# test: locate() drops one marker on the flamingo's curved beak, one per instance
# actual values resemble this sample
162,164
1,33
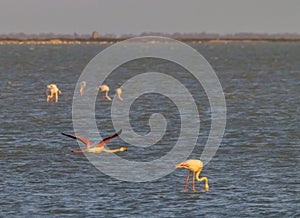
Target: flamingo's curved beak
206,187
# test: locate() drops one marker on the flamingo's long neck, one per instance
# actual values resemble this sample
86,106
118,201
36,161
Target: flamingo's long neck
106,95
80,151
201,179
112,151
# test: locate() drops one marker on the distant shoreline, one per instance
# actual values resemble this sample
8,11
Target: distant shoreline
58,41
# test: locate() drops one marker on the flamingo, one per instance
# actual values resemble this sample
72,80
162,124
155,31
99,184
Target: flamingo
82,87
104,88
119,92
194,166
97,148
54,91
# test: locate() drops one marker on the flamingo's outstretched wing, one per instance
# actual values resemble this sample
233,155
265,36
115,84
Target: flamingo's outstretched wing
104,141
84,140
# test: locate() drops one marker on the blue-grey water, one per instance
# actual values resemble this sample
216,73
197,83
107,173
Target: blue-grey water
255,172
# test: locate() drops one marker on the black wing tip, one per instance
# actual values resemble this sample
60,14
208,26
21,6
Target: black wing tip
65,134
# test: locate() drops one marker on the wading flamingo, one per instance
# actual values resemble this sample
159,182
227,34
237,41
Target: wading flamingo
82,87
194,166
54,91
104,88
97,148
119,92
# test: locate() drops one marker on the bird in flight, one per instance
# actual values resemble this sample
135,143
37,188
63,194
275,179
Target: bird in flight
97,148
194,166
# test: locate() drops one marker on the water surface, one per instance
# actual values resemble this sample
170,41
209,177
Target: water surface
254,173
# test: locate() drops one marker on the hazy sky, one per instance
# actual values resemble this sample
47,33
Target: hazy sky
136,16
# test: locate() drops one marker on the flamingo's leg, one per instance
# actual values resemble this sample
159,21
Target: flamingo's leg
187,180
49,95
52,95
102,96
56,97
193,182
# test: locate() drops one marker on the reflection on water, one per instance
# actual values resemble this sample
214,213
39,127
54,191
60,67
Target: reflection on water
254,173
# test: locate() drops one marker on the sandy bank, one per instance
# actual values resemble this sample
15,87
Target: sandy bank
109,41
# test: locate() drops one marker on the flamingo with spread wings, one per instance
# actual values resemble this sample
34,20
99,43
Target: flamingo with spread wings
99,147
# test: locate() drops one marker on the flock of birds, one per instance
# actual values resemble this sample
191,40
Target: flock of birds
52,92
193,166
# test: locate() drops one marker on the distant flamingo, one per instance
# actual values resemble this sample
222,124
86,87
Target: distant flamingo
99,147
104,88
194,166
82,87
54,91
119,92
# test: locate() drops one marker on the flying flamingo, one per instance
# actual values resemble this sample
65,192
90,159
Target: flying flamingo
104,88
99,147
194,166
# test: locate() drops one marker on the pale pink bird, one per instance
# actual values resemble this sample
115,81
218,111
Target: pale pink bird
82,87
119,92
194,166
54,91
105,89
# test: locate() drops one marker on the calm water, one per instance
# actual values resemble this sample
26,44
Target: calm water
255,172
